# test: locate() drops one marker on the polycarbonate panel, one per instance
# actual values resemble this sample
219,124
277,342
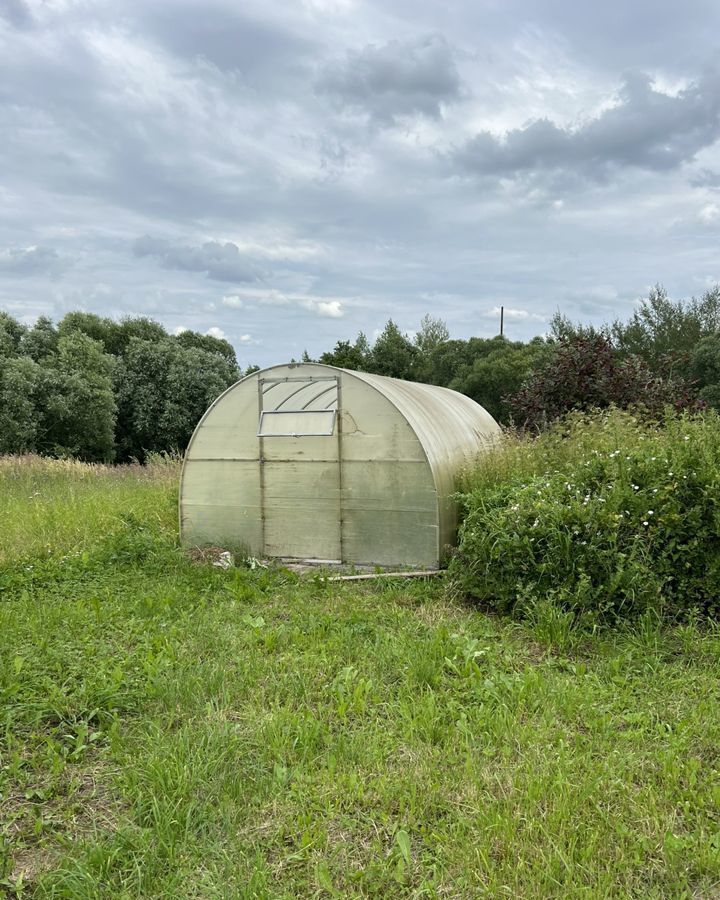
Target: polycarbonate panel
387,537
302,509
452,430
383,484
296,423
220,504
231,527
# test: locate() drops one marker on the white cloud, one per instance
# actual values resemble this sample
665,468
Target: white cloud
233,301
216,333
332,309
179,330
519,315
710,213
247,340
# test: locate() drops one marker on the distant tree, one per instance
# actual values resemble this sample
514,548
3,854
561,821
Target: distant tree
19,378
394,354
704,369
429,339
431,334
76,405
563,329
103,330
114,336
139,327
445,362
41,341
664,332
349,356
11,334
497,375
190,339
163,389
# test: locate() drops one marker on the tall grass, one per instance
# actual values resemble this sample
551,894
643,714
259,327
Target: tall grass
62,506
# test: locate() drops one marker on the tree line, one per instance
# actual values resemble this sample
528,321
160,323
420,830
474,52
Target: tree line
666,353
98,389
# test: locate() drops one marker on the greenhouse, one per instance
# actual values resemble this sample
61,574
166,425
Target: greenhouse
310,462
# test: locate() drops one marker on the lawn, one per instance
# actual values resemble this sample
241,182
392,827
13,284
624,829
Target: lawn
171,729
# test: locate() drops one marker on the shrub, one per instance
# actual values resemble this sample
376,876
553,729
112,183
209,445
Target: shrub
585,372
604,514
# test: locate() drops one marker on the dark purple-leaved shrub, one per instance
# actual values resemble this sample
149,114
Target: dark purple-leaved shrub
586,372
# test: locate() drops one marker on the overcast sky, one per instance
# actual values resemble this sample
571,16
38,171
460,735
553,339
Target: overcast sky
287,174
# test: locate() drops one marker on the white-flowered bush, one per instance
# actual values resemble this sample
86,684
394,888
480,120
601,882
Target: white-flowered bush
605,514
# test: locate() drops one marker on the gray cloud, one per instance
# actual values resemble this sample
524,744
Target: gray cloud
29,261
16,13
646,129
232,38
221,262
706,178
250,121
395,79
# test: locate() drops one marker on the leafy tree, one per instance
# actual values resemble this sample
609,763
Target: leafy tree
349,356
431,334
19,377
445,362
498,374
207,342
103,330
41,341
664,332
563,329
704,368
394,354
139,327
114,336
11,334
76,404
163,389
429,338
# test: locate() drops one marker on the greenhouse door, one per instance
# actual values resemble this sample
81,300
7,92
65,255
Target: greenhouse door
299,453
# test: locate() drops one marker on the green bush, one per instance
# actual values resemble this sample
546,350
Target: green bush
605,515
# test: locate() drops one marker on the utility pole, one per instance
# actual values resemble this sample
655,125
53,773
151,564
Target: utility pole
502,319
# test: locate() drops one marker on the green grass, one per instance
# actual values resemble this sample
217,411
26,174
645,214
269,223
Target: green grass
63,506
169,729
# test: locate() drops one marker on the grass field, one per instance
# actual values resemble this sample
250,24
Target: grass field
170,729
